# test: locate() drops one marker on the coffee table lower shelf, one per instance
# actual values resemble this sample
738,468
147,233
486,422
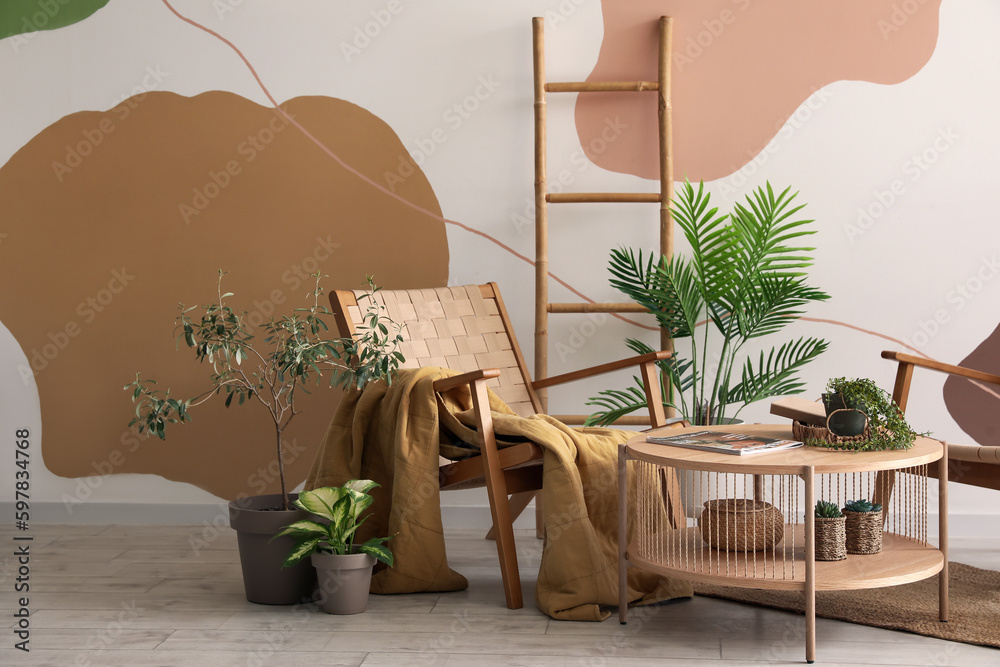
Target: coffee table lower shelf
682,553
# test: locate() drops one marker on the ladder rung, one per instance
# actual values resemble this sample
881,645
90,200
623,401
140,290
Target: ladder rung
596,308
611,197
602,86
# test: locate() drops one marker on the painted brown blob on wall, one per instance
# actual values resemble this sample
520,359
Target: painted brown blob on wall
971,404
113,217
741,68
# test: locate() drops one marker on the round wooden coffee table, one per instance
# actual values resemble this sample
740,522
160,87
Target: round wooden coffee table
660,531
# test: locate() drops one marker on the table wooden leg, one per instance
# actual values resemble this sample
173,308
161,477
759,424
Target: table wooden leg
810,591
943,534
622,535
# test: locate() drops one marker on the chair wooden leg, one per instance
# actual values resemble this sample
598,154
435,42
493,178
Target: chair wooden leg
539,517
496,488
518,502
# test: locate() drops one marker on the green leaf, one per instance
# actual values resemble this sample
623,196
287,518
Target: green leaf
380,552
302,549
361,485
775,374
320,501
339,515
302,528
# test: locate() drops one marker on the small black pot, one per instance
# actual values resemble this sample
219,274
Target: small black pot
264,579
834,402
846,422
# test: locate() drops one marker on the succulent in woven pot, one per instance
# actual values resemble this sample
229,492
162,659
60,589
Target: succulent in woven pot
830,529
741,524
863,527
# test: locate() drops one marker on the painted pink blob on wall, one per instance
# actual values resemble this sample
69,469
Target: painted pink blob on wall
741,68
112,217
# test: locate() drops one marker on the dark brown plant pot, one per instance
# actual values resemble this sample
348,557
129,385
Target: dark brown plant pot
264,579
831,539
344,581
864,532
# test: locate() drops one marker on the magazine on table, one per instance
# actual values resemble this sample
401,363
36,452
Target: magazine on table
738,444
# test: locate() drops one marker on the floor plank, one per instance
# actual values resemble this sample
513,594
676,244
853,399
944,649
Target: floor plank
165,595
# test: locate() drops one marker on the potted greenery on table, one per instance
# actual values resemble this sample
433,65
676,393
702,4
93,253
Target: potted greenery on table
344,568
745,278
269,367
887,427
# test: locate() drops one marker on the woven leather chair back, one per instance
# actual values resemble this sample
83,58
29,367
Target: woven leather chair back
462,328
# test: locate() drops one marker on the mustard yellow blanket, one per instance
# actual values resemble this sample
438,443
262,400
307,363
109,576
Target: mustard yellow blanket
391,435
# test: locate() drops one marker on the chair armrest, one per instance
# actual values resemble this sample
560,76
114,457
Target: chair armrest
444,384
601,369
961,371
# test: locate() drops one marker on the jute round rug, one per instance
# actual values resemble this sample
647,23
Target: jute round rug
974,605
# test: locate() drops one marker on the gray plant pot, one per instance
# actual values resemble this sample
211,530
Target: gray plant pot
264,580
343,581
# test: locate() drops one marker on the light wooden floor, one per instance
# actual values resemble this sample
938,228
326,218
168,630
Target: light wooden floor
137,595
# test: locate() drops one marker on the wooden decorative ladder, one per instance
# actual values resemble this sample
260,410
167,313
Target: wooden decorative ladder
543,197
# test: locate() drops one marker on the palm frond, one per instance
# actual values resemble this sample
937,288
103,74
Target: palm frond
616,403
677,370
774,302
764,234
665,289
713,243
775,374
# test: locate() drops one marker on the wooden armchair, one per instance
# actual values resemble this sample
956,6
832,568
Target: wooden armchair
976,465
467,329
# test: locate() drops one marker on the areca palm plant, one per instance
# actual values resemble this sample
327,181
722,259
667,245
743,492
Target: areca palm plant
745,279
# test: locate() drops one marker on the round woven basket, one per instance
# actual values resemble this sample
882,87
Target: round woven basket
741,524
831,539
803,432
864,532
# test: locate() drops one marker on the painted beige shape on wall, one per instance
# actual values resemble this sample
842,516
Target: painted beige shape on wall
113,217
741,68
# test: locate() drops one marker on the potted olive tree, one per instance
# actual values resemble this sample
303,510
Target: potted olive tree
344,568
744,280
269,367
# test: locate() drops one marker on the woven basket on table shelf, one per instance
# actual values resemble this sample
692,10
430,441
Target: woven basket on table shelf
741,524
831,538
802,431
864,532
